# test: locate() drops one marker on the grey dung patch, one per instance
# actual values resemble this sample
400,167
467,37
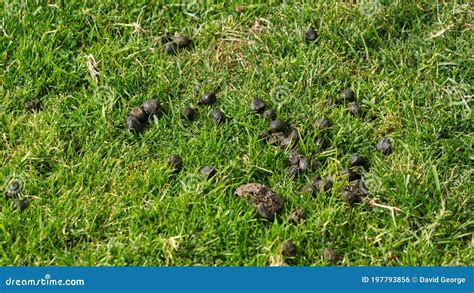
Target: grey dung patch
266,202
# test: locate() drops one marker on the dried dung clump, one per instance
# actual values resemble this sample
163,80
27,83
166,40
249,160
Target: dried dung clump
355,192
266,202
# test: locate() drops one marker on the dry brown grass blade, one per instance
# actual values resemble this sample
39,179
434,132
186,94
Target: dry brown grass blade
373,203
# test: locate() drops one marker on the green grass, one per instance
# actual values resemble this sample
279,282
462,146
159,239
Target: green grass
98,195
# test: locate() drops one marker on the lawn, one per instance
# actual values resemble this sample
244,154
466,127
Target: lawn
97,194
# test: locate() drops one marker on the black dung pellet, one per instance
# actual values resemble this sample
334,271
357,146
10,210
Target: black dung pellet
276,126
139,113
350,175
217,117
354,108
310,35
293,157
270,114
323,123
384,146
134,125
189,113
357,160
182,41
208,98
33,105
257,105
208,171
152,107
20,204
13,189
304,163
288,249
347,95
171,48
175,163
